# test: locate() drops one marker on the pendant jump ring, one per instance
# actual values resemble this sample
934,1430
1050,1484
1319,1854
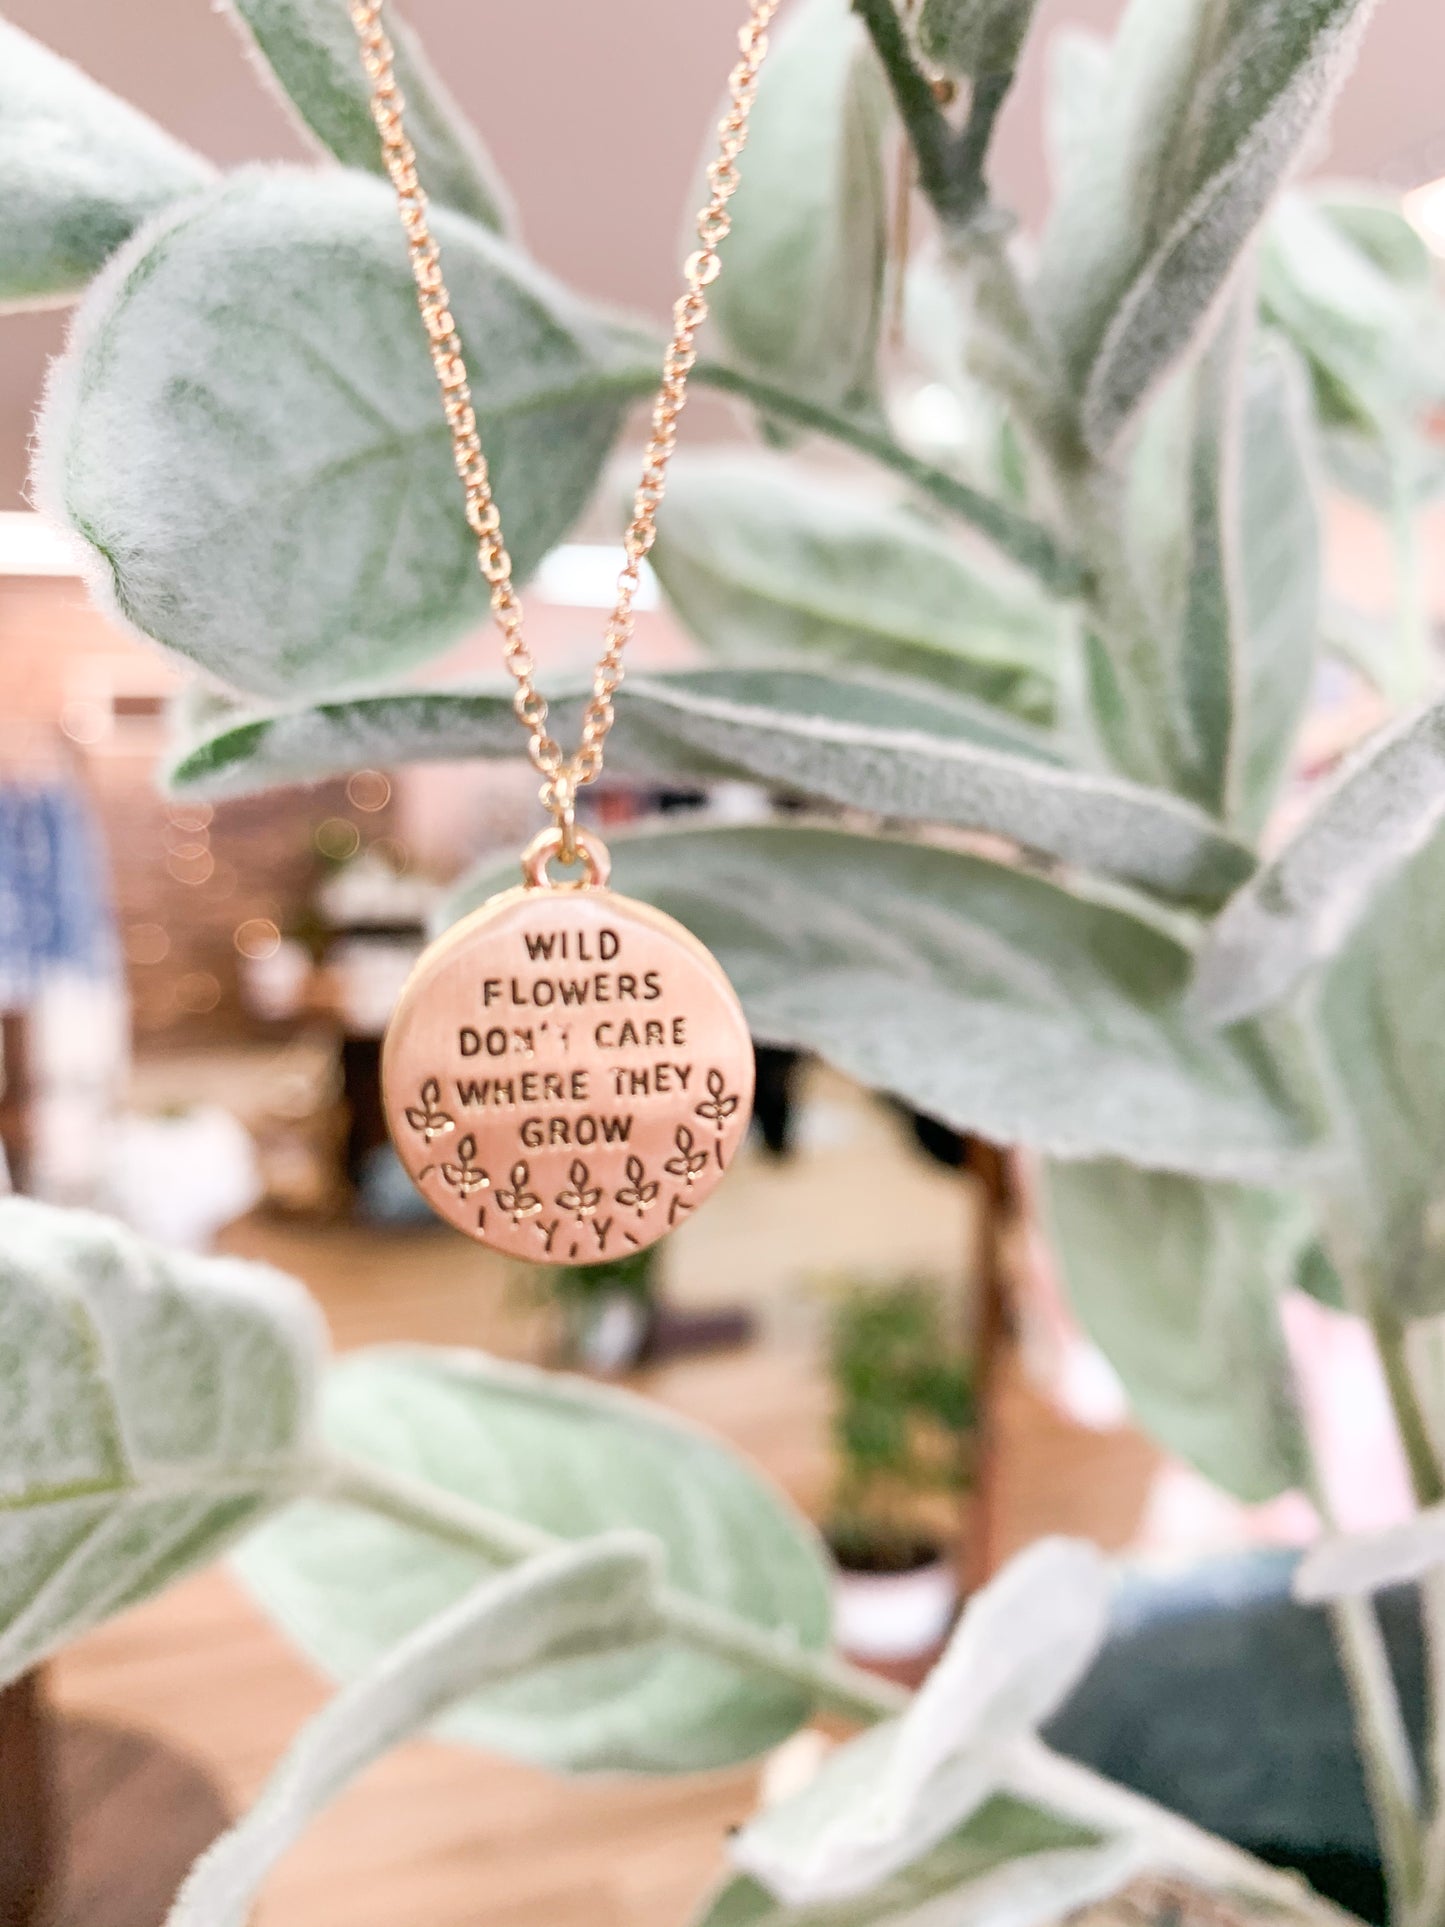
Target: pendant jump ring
590,851
568,854
559,798
564,804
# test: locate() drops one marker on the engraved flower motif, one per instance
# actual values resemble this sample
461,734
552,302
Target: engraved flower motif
579,1194
640,1192
689,1160
718,1106
463,1175
427,1116
515,1199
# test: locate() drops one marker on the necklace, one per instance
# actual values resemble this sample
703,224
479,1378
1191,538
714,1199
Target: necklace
568,1073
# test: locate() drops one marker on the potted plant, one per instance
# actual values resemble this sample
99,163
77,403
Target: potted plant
607,1310
1048,640
901,1419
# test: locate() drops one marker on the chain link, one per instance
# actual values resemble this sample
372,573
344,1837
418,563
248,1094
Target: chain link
562,775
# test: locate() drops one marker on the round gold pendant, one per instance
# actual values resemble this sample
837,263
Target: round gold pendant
568,1073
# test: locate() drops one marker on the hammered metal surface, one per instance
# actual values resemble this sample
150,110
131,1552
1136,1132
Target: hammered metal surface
568,1074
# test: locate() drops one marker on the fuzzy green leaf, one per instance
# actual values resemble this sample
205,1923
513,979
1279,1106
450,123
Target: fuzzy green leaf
575,1460
800,299
690,724
528,1629
891,751
1349,281
246,432
79,170
1178,1284
1025,1640
1210,642
1355,1565
1225,533
999,1002
762,563
1402,476
310,50
978,1874
1281,556
1210,102
1078,70
1299,907
1380,1018
152,1407
1053,1838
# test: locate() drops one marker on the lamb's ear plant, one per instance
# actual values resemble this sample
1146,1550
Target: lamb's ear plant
902,1410
1072,602
534,1565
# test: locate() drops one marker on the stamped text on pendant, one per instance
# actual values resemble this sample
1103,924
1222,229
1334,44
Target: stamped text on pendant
568,1075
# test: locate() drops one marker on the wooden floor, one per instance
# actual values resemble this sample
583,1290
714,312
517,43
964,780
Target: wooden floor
440,1837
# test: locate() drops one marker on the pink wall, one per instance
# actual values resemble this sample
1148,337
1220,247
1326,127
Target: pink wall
596,110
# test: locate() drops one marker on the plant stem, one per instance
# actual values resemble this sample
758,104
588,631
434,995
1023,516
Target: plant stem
1385,1752
954,195
970,149
1068,1788
950,165
1387,1757
1431,1901
831,1683
1019,364
1011,354
1093,499
1026,542
1409,1827
1382,1737
1425,1474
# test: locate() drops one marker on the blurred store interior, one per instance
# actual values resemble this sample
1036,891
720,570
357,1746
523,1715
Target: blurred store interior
204,1064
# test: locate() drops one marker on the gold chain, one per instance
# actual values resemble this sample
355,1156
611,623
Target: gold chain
563,775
